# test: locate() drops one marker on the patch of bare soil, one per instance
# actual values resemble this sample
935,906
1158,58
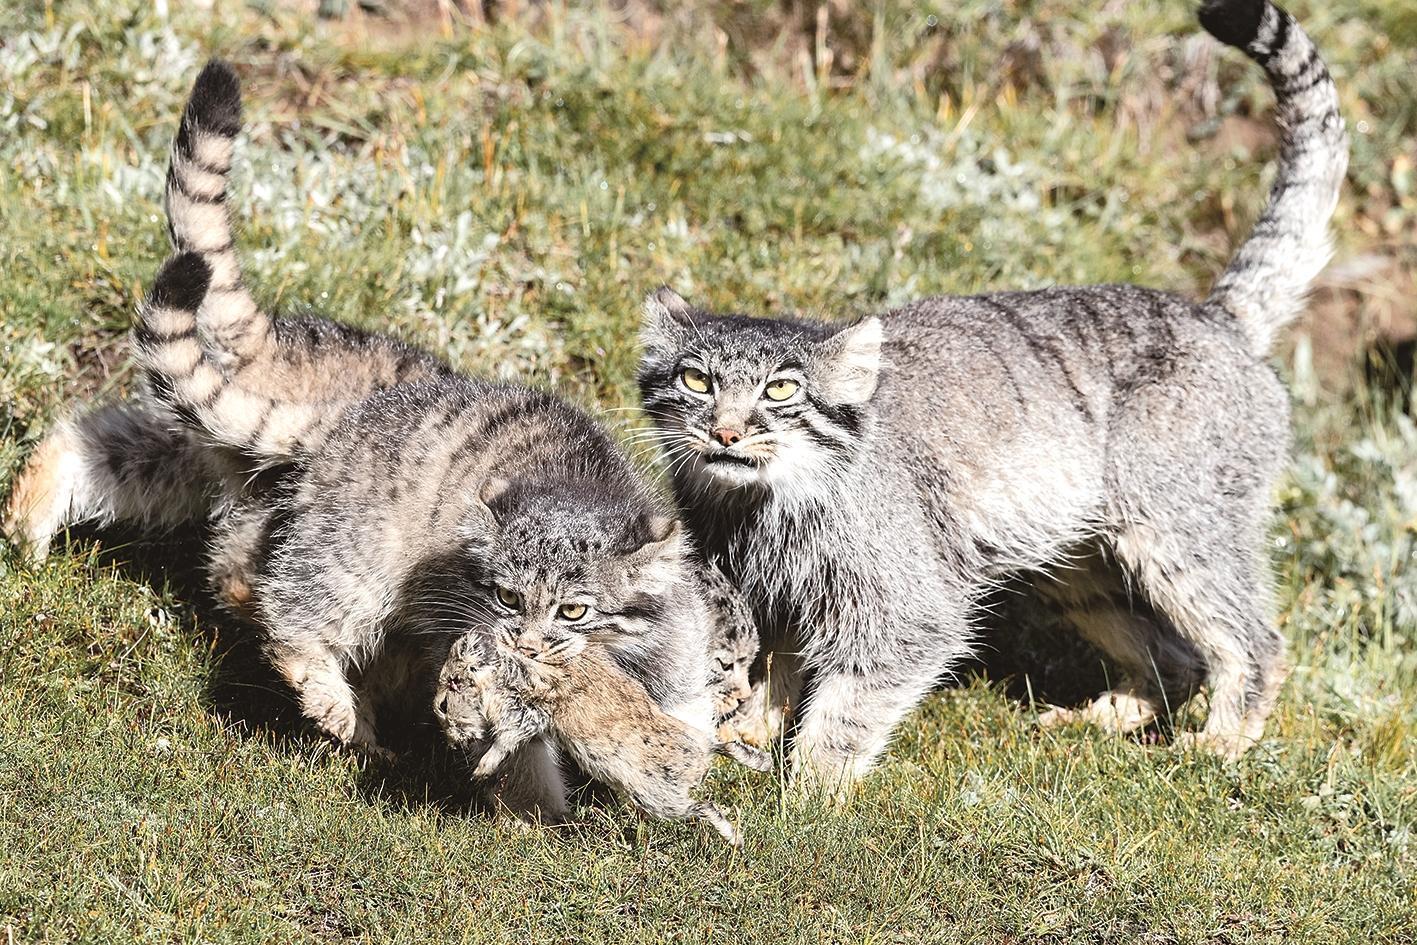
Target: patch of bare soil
1362,321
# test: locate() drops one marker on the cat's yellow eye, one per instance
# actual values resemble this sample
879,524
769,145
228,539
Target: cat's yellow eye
781,389
571,611
509,599
694,379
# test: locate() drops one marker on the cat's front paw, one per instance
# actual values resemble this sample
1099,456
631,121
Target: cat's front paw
335,715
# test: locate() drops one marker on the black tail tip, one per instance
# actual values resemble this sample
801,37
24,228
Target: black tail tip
215,103
181,283
1233,22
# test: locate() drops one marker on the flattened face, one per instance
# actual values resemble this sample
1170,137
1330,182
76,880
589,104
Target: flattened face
550,573
742,401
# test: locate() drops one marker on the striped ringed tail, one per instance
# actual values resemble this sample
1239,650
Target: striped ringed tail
184,374
236,331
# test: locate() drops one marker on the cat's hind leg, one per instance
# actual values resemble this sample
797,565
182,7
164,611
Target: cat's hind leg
1217,599
1192,536
326,697
1156,668
239,545
126,462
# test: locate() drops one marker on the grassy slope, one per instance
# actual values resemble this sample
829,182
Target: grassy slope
508,195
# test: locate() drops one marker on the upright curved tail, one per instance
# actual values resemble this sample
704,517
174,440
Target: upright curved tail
1265,283
188,377
235,329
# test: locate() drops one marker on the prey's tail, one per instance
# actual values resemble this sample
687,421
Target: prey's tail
747,756
185,375
1265,283
234,328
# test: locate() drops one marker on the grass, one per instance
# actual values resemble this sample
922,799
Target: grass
507,194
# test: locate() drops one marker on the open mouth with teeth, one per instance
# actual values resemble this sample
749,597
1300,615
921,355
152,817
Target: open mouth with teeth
725,458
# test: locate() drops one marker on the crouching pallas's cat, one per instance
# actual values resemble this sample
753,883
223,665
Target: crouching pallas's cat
866,484
400,503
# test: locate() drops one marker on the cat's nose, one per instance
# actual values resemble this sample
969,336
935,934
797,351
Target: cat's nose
727,435
530,643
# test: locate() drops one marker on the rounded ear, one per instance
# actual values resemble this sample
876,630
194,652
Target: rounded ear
666,319
493,488
851,362
481,522
656,563
661,527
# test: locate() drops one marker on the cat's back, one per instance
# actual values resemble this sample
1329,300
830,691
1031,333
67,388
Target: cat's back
454,418
317,358
393,480
1062,356
1077,328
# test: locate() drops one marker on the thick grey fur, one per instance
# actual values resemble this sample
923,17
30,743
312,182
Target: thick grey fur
407,512
1125,440
399,494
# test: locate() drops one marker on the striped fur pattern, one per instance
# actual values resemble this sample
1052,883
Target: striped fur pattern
1266,281
243,381
197,218
865,485
733,640
284,402
496,693
401,498
258,383
421,510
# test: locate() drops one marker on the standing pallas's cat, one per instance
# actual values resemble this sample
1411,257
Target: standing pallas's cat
866,485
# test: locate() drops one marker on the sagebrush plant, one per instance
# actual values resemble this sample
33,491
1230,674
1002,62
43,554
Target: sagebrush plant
507,194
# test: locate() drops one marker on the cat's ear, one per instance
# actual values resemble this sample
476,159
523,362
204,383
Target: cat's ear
493,489
667,320
661,528
656,563
481,522
850,362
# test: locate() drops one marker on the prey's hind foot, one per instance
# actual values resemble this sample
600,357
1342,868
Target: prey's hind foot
1117,711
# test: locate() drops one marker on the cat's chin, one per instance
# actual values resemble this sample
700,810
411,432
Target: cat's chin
789,472
729,474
